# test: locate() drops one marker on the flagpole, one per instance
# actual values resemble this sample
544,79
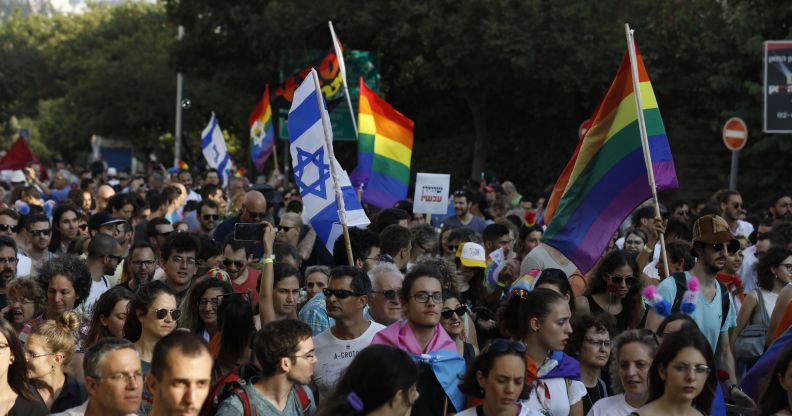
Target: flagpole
644,137
333,163
342,67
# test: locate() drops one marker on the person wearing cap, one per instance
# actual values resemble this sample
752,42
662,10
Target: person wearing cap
471,265
103,222
712,242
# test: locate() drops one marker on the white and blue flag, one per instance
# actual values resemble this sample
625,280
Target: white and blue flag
316,170
214,149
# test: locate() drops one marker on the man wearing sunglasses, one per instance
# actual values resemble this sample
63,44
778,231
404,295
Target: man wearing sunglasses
731,206
712,242
346,296
9,227
254,210
385,301
236,256
208,217
40,232
104,255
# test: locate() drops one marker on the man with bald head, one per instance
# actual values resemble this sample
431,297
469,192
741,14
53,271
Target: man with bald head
254,209
103,195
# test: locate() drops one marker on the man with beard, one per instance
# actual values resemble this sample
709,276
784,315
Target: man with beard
254,210
712,243
244,279
40,231
142,265
208,213
462,216
781,206
8,266
104,255
731,206
9,227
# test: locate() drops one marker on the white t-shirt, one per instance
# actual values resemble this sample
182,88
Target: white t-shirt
524,411
334,355
747,270
97,289
611,406
744,229
560,399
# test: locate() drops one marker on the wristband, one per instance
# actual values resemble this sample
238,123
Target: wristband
268,260
501,284
732,387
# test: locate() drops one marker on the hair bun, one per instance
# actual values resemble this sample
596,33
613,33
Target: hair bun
70,320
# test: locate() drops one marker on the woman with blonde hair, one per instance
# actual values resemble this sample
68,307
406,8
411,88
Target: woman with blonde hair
49,349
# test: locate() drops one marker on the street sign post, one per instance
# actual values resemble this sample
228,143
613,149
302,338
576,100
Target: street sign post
735,136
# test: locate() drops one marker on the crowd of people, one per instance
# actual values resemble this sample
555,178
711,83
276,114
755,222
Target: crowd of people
131,293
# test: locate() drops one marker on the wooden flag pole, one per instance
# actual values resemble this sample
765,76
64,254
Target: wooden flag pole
342,67
644,138
328,136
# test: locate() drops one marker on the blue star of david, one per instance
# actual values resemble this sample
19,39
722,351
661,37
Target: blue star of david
304,159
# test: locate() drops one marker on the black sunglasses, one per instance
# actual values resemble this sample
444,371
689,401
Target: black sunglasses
237,263
388,294
340,293
36,233
732,246
285,228
208,217
162,313
459,311
630,280
6,227
504,345
83,226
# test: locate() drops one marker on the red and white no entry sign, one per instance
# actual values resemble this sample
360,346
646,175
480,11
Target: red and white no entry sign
735,134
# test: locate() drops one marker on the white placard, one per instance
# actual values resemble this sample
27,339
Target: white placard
431,193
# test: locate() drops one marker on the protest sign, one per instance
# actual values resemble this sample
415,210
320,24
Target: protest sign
431,193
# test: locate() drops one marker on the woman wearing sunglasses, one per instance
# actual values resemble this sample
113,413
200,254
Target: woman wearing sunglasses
152,315
452,318
48,351
615,290
633,351
682,377
540,319
498,377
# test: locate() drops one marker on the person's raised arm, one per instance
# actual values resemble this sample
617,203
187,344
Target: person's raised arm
266,309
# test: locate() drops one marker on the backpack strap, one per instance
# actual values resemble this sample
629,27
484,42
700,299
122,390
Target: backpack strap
247,410
302,396
725,304
681,286
762,310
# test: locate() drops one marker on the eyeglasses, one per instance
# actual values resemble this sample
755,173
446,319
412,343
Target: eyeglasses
215,301
340,293
190,261
698,369
629,280
144,263
162,313
37,233
125,378
29,355
599,343
459,311
8,260
423,297
237,263
392,294
732,246
257,215
208,217
6,227
308,356
504,345
285,228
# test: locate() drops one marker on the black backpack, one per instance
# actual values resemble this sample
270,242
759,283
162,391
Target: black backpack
681,288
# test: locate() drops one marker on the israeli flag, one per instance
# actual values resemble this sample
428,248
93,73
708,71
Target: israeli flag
316,171
214,149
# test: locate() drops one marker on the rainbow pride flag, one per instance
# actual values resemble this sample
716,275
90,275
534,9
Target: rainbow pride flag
606,177
262,134
385,143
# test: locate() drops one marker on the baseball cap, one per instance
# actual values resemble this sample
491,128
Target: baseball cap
471,255
711,229
102,218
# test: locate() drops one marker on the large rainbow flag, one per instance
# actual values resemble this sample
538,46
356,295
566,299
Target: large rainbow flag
262,134
606,177
385,142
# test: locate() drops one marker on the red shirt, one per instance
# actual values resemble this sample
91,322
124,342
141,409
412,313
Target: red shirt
249,285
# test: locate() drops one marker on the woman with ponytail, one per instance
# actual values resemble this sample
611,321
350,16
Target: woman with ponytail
380,381
49,350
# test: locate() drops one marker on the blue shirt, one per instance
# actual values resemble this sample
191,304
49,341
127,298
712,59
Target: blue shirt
314,313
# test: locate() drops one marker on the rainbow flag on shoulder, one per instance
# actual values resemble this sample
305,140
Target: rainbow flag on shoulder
385,142
262,134
606,177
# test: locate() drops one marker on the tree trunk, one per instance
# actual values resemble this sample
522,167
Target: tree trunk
478,108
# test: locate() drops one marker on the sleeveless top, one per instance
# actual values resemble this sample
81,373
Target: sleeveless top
596,309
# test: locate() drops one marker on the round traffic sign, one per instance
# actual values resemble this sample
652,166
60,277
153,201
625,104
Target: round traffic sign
735,134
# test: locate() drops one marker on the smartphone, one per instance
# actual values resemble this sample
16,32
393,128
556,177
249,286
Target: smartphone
247,231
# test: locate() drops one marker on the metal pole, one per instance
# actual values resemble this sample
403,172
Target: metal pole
177,145
735,164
